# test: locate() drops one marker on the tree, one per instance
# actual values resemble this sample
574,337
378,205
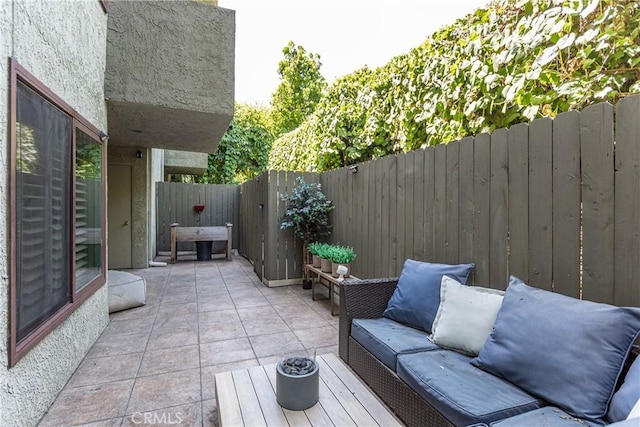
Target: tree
300,89
243,152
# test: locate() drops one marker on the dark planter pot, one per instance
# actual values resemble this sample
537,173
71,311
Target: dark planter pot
203,250
307,284
297,392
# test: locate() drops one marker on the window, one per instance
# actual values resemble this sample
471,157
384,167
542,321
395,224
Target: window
57,211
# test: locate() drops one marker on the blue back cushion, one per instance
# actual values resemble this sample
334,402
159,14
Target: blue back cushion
417,297
567,351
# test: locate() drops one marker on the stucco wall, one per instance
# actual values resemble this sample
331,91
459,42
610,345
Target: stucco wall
63,44
170,74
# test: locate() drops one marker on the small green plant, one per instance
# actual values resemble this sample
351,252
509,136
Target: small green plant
314,247
341,254
323,250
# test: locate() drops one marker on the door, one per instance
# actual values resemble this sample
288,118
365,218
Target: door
119,215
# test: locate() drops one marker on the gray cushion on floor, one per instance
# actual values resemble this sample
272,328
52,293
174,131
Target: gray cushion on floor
385,339
463,393
549,416
126,290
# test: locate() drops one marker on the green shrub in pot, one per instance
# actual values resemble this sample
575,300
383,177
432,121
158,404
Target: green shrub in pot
341,254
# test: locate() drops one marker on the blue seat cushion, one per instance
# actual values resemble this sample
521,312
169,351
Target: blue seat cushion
416,299
549,416
568,352
461,392
385,339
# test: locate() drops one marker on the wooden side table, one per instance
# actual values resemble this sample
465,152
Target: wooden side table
327,280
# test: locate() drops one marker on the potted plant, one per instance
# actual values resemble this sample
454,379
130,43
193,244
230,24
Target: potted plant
323,253
314,248
307,214
341,255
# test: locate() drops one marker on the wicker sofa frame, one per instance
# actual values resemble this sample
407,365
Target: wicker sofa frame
367,299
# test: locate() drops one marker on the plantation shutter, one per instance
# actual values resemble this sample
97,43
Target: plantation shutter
43,223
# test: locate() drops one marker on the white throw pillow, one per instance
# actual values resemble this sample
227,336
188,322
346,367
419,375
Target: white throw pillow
635,411
465,316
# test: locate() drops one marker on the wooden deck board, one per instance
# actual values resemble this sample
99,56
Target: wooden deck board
248,397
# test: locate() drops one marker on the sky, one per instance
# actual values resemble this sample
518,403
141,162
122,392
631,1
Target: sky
348,34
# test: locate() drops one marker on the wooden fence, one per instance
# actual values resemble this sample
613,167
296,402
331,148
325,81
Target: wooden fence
175,203
276,254
554,202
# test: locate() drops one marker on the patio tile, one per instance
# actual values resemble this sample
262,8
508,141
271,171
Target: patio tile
174,310
250,302
306,321
129,327
208,374
169,360
179,321
270,345
170,338
257,313
164,391
263,326
178,299
106,369
201,318
318,337
220,316
209,413
148,310
98,402
216,305
221,332
113,422
111,345
237,294
228,351
189,415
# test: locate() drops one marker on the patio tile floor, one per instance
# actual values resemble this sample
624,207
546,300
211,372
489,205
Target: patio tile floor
156,364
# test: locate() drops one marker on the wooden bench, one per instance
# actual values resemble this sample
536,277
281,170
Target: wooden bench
195,234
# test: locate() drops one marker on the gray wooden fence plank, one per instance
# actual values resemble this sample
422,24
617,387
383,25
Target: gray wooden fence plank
367,219
518,138
627,203
540,204
429,195
452,191
418,208
377,237
440,203
596,142
466,211
499,188
566,204
411,226
482,210
400,221
389,237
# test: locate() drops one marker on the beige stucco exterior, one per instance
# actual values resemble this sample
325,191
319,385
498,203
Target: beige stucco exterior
63,43
169,79
71,64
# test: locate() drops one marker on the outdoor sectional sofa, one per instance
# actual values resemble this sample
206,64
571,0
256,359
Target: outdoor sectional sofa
549,360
